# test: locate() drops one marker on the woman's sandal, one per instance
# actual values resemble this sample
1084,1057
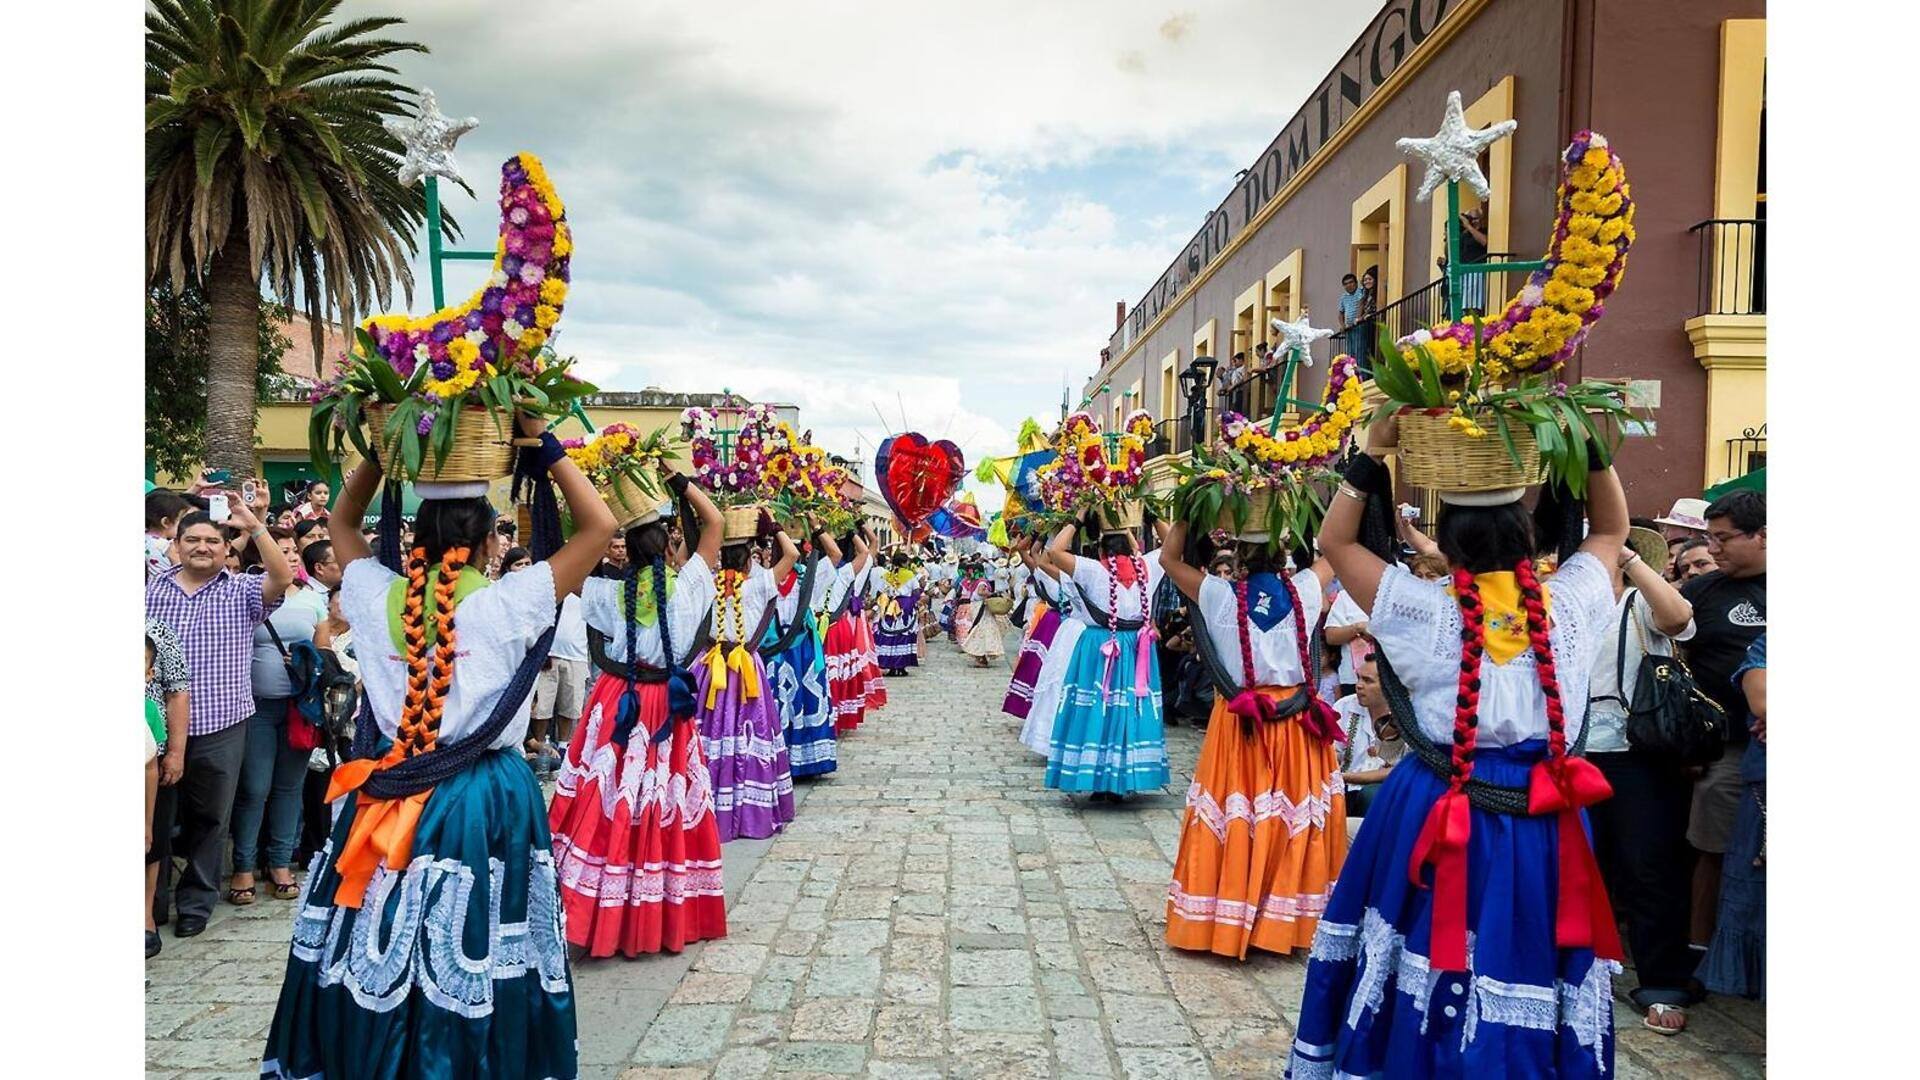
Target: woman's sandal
286,890
1660,1010
241,897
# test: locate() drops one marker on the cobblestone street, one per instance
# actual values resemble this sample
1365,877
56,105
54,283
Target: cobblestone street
933,912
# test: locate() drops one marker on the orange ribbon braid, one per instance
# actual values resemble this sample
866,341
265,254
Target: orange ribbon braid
383,829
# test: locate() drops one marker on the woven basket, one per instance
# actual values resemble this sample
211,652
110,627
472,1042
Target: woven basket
741,523
1434,455
628,503
1122,516
999,605
480,451
1260,504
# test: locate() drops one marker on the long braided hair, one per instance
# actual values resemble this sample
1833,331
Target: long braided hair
429,669
1473,647
1539,627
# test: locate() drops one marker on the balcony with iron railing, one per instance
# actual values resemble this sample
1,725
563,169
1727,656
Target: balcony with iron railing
1732,264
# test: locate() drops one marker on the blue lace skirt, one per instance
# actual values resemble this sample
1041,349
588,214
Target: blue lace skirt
1373,1007
1105,737
799,678
453,967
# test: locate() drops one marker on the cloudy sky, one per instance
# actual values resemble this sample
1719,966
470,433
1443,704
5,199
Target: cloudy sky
869,209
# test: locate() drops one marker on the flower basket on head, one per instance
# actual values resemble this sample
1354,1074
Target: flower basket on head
1481,403
1098,474
433,396
741,522
1125,515
1436,454
624,466
1267,484
731,448
479,444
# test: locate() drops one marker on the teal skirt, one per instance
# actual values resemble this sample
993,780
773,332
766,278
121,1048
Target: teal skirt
453,967
1105,736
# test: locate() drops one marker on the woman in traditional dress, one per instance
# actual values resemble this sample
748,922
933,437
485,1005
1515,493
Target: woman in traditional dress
968,582
1108,738
846,663
1050,685
796,655
634,832
739,720
428,939
986,641
1497,957
1265,829
866,593
897,630
1041,626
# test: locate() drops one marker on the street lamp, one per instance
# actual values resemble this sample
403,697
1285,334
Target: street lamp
1194,383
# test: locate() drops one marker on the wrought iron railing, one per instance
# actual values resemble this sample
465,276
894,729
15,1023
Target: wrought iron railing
1732,266
1748,452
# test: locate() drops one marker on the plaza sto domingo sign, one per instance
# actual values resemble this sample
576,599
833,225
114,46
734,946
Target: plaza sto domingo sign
1393,34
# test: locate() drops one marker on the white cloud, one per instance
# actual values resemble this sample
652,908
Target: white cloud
850,206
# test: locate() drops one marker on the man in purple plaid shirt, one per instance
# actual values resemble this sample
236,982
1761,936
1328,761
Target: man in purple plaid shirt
213,612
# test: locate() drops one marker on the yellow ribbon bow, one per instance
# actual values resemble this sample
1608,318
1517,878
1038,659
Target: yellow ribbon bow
739,659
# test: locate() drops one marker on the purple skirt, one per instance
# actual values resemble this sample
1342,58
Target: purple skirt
746,746
1026,670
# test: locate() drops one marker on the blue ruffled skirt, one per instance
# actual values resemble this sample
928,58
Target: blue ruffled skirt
453,967
1105,737
1372,1006
799,677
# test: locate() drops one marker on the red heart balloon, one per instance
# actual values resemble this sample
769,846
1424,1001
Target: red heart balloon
916,476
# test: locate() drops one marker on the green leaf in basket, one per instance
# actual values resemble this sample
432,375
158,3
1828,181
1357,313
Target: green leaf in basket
1395,379
1577,432
1504,422
440,436
386,380
1430,385
319,427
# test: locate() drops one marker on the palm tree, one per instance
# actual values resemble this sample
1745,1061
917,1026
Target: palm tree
266,158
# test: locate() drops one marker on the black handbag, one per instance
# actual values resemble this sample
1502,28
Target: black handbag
1669,714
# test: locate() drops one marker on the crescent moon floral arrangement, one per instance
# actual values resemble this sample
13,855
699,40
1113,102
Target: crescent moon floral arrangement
1503,374
488,355
731,471
1250,481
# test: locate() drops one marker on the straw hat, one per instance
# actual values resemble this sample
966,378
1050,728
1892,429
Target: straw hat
1650,546
1686,514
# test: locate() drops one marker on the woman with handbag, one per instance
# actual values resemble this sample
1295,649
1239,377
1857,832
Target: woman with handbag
1265,829
1640,835
635,843
267,798
1469,934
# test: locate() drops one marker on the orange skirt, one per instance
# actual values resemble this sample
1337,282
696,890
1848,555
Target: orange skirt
1263,839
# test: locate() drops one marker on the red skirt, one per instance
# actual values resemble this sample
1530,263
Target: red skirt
876,680
846,674
635,843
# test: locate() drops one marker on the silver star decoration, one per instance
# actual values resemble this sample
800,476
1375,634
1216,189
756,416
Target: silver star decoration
1298,336
1453,154
429,139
